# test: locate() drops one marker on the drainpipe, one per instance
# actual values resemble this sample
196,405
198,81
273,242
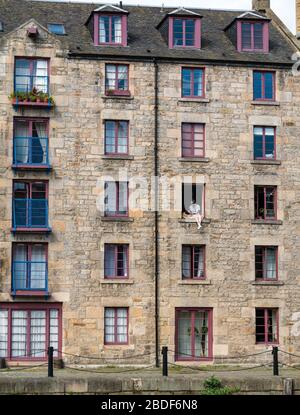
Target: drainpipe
156,231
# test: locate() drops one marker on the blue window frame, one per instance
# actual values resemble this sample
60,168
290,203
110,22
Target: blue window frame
30,142
30,205
31,74
29,267
264,143
56,28
264,86
193,82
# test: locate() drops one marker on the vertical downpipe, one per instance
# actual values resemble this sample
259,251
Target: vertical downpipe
156,231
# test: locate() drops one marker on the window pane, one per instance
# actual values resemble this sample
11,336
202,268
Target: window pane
110,78
270,143
20,267
123,195
3,332
270,202
123,77
122,325
272,326
258,36
186,261
246,36
104,29
110,137
190,32
54,331
271,263
116,29
109,325
19,334
198,82
38,272
201,333
257,85
56,28
258,143
259,262
186,82
110,197
22,75
122,261
40,75
21,142
122,136
184,334
198,262
269,85
260,325
178,32
38,333
109,261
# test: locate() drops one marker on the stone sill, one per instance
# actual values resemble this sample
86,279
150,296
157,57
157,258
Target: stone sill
268,103
266,222
205,221
117,281
126,97
117,157
194,159
116,219
194,282
202,100
268,283
266,162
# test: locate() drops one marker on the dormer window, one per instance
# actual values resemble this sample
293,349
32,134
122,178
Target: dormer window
252,36
184,32
110,26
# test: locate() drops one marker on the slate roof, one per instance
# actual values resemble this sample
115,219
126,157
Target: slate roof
144,39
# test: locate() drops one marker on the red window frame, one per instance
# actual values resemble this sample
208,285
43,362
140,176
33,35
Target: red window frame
264,143
28,307
116,342
263,73
263,263
117,91
116,213
192,262
192,310
123,29
266,326
192,139
192,83
116,248
265,36
256,203
116,144
197,32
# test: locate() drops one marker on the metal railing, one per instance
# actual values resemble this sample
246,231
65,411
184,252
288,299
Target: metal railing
30,213
31,151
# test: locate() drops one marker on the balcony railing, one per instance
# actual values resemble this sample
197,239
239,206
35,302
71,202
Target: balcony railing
30,214
31,152
30,276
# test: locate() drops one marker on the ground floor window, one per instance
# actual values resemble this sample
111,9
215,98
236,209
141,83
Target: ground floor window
193,333
266,325
27,330
116,325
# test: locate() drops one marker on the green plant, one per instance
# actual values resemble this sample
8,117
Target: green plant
213,386
110,91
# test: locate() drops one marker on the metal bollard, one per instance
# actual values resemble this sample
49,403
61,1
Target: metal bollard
164,353
50,362
275,361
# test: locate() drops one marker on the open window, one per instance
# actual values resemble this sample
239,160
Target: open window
265,202
192,193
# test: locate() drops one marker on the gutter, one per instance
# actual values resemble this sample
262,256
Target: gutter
156,207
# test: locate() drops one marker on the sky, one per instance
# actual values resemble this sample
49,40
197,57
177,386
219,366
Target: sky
285,9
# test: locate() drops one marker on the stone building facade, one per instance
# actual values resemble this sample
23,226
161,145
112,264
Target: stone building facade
162,307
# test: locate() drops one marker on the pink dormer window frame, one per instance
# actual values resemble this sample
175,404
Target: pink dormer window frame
197,34
123,29
266,36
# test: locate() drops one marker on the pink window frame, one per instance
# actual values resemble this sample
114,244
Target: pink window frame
192,247
117,122
117,201
192,358
266,36
123,29
193,139
264,143
33,307
263,72
116,326
266,325
193,82
125,92
116,246
197,34
264,249
265,218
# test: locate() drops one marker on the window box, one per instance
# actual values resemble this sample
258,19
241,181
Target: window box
266,326
30,144
116,325
193,334
116,261
28,329
30,269
30,206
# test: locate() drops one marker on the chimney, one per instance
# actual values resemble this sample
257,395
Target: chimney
261,5
298,18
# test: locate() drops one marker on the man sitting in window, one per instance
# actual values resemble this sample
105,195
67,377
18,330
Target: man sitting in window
194,210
